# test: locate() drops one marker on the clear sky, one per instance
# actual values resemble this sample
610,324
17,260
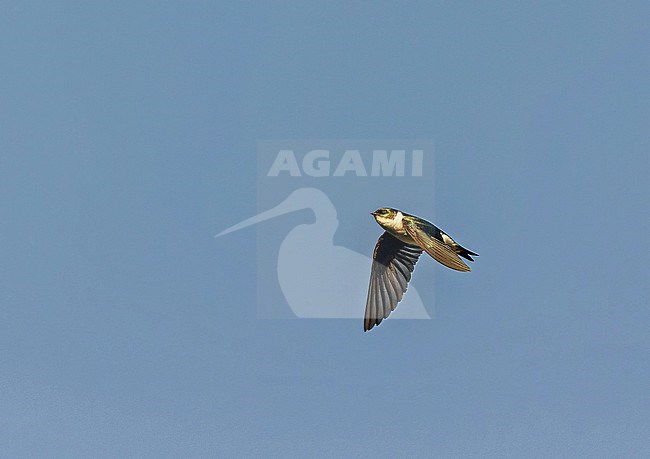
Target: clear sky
128,136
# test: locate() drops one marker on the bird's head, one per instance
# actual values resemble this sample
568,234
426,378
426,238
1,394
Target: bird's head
385,215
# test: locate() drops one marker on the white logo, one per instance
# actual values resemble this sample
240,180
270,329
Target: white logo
317,163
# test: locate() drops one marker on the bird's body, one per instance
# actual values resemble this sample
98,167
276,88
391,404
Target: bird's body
395,255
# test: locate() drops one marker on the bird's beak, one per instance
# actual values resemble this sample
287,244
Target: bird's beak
374,214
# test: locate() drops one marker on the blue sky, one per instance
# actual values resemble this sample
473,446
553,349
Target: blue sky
128,138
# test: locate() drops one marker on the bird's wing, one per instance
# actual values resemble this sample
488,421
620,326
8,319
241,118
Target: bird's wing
440,251
392,264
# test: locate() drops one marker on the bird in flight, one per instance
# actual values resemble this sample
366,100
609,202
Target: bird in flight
395,255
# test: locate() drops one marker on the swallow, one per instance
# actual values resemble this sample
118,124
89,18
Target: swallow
396,253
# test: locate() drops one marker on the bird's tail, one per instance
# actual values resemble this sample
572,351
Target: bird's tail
463,252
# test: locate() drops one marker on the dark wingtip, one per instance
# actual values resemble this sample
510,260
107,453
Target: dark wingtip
367,326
